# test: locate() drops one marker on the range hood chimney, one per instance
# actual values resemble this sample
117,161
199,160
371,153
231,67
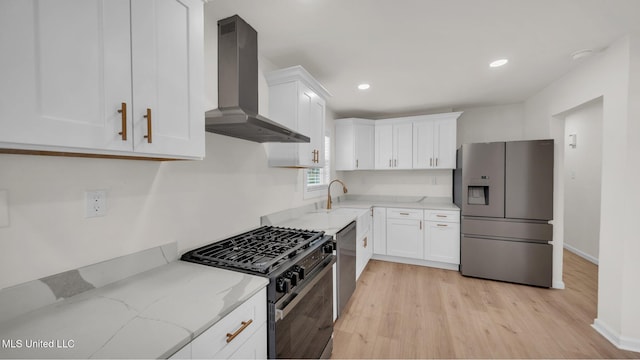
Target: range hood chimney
237,112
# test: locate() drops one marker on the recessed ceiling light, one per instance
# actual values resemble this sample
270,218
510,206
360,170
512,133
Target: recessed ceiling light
498,63
364,86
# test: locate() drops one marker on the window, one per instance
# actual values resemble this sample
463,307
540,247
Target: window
316,180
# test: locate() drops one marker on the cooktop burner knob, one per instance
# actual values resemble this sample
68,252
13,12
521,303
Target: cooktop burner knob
299,270
292,277
282,285
327,248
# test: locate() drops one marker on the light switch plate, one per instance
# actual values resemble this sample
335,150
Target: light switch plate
4,208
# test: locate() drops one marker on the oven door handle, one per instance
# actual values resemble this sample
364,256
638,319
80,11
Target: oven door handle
282,313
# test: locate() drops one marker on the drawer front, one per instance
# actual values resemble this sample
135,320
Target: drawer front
254,348
508,229
214,339
442,216
398,213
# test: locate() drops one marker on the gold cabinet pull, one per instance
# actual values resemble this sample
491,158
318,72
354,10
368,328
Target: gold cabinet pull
230,336
123,112
420,224
356,163
364,242
148,117
442,225
436,162
441,216
430,161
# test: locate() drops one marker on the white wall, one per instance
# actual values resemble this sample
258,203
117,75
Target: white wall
491,123
583,171
433,183
615,76
149,203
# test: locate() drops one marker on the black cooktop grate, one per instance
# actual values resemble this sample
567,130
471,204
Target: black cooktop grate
259,250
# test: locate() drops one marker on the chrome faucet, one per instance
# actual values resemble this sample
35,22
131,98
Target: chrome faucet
344,188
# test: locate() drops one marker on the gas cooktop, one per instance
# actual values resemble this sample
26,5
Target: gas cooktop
260,250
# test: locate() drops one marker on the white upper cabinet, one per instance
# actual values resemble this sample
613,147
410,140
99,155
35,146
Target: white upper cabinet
354,139
297,101
75,67
393,144
167,43
434,141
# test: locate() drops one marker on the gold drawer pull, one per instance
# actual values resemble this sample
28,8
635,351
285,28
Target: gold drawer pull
148,136
230,337
123,112
404,213
442,225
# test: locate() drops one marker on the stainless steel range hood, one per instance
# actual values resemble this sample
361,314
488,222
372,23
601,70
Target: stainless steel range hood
237,112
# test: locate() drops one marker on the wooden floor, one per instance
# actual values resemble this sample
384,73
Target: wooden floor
406,311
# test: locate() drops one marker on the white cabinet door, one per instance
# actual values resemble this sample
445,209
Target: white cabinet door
364,147
443,242
403,148
167,81
316,131
297,101
379,231
404,238
444,145
66,69
384,146
364,243
423,144
354,139
393,145
434,141
344,144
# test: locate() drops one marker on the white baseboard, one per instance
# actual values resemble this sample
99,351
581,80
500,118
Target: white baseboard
581,253
558,284
621,342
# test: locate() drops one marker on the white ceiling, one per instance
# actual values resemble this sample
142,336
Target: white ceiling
424,55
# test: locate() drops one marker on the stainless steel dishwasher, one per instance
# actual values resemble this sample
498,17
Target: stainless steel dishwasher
346,264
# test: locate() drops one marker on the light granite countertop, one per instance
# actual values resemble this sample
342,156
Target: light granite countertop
149,315
328,221
346,211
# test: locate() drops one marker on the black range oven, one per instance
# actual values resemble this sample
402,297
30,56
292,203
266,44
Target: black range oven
298,264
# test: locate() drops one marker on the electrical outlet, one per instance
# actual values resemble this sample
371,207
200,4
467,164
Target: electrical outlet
96,203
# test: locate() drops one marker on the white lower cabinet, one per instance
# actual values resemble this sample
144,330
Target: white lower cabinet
379,231
419,237
404,233
248,322
364,241
442,236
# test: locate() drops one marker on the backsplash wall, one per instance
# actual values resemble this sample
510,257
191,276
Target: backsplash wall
433,183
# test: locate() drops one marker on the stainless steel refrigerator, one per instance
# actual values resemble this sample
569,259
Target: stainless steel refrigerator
505,193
